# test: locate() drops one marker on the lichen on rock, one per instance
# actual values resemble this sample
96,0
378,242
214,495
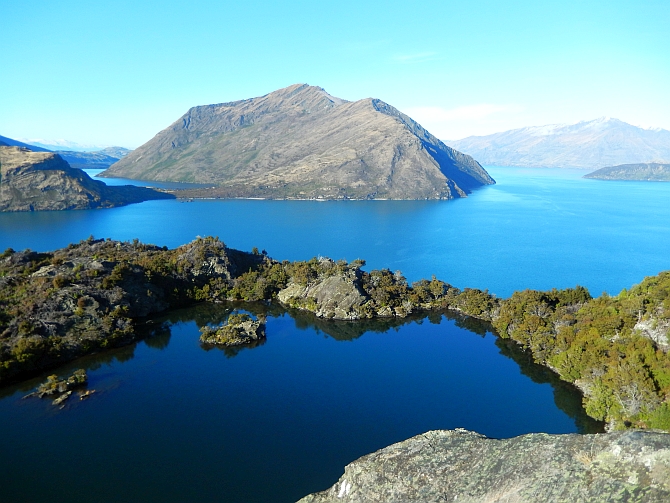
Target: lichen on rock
464,466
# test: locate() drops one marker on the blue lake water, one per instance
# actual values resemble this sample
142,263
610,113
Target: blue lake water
539,228
173,421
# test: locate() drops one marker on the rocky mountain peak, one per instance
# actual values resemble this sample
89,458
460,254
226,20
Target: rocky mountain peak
301,142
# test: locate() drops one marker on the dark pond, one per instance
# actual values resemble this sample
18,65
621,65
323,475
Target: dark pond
172,421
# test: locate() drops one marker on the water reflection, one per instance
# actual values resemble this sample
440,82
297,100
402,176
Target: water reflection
566,397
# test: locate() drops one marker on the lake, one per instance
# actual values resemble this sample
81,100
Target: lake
539,228
172,420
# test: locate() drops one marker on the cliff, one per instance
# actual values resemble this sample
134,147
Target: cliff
37,181
648,172
300,142
466,467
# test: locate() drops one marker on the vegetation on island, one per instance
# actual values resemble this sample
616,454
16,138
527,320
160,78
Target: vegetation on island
95,294
239,328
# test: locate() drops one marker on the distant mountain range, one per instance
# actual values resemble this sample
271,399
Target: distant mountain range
589,145
648,172
100,159
300,142
9,142
62,145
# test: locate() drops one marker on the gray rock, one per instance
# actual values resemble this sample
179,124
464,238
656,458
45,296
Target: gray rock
337,297
300,142
463,466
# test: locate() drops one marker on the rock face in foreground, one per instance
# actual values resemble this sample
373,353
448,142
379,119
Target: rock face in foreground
37,181
463,466
647,172
300,142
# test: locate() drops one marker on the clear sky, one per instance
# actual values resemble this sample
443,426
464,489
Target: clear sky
118,72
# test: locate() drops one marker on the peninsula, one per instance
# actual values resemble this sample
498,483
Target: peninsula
40,181
648,172
302,143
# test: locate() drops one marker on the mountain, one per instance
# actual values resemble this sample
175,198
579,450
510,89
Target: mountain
101,159
63,145
36,181
590,145
8,142
300,142
650,172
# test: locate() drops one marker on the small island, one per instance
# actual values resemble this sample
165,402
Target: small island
643,172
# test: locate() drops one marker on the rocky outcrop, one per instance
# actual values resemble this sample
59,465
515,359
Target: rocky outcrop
300,142
588,145
644,172
463,466
338,294
38,181
656,329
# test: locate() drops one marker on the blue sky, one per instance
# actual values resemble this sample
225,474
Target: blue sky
119,72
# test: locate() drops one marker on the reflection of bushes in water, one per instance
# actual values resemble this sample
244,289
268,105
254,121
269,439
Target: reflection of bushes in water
208,313
232,351
474,325
349,330
566,397
156,335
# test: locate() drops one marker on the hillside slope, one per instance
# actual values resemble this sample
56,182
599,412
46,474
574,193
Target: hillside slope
37,181
300,142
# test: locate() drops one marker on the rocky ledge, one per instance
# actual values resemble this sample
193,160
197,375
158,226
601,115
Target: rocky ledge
463,466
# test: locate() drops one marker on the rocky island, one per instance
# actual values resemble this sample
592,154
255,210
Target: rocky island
463,466
648,172
41,181
302,143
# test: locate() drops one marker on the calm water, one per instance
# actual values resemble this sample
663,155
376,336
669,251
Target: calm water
534,229
172,421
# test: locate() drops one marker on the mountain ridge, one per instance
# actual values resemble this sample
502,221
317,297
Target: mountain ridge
588,145
301,142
